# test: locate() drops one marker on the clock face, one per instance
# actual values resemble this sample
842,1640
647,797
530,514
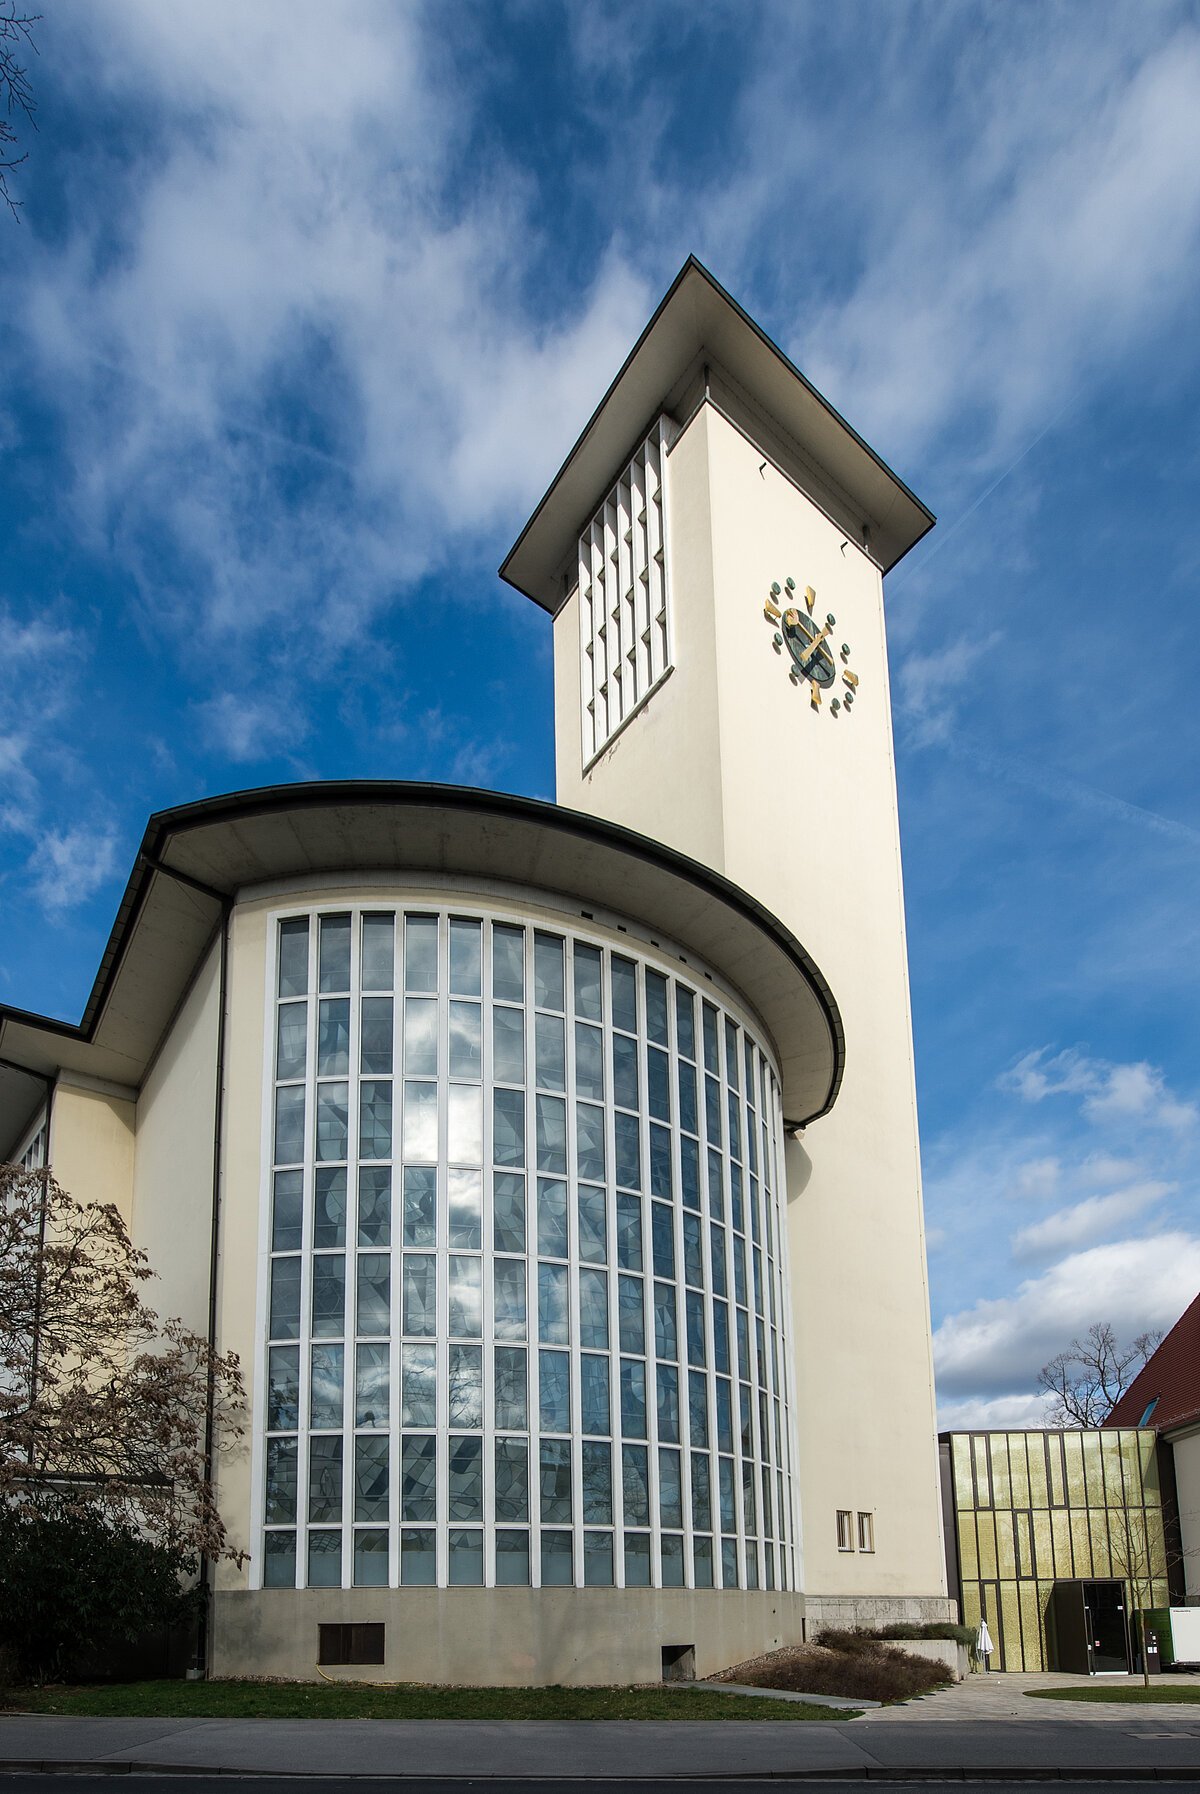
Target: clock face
813,660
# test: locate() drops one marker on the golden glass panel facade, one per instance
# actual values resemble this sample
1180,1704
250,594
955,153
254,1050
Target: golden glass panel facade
1032,1509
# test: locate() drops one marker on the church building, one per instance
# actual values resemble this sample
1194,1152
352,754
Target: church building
553,1168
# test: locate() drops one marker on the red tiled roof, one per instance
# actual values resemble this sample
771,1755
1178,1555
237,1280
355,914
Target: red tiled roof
1172,1375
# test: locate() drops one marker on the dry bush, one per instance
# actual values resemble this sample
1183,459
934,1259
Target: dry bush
865,1669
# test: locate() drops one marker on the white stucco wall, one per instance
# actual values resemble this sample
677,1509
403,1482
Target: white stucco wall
730,764
92,1144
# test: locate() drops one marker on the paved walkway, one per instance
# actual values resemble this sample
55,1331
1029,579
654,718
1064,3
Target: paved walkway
968,1730
1003,1698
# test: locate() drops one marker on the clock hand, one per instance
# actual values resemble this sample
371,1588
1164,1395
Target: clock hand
812,647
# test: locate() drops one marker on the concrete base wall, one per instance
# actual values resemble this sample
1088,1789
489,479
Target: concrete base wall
955,1656
502,1637
876,1610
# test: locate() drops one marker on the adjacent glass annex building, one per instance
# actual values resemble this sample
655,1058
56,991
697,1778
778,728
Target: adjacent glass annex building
526,1311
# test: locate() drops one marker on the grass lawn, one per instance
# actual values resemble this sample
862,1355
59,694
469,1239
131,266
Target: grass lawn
1156,1694
365,1700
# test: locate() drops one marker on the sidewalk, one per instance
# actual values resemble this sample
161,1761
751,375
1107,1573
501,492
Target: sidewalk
1116,1743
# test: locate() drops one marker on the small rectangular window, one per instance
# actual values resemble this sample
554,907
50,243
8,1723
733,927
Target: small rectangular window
350,1644
866,1532
845,1534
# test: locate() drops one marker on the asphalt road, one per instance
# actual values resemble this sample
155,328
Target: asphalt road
22,1782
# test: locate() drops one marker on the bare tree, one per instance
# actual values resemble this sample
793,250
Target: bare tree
16,94
102,1405
1087,1380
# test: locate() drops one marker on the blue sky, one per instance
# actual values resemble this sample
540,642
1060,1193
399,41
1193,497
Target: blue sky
308,301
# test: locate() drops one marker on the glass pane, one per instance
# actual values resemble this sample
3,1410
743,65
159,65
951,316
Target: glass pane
672,1560
624,994
287,1215
729,1563
587,982
329,1208
685,1022
593,1309
552,1218
597,1482
375,1206
324,1560
281,1481
656,1008
628,1151
420,1289
637,1560
371,1386
374,1295
555,1481
712,1050
660,1162
662,1229
593,1227
553,1304
378,952
508,1212
291,1040
375,1052
635,1484
551,1052
724,1415
335,953
508,1045
293,957
717,1261
466,1040
370,1478
658,1081
688,1113
285,1298
418,1479
512,1559
511,1404
508,1127
625,1071
702,1561
508,964
465,1479
418,1558
333,1120
420,953
465,1209
466,1313
375,1120
698,1407
328,1296
512,1479
420,1205
667,1378
466,1557
552,1135
333,1037
420,1037
325,1406
695,1326
465,958
633,1398
420,1123
419,1370
701,1492
589,1061
589,1139
283,1389
558,1569
509,1317
325,1479
629,1233
279,1560
466,1125
370,1559
465,1386
289,1124
631,1324
666,1342
548,971
593,1394
597,1559
670,1489
554,1387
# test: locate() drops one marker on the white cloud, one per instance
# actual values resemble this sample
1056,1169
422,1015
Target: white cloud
996,1347
930,683
69,866
251,728
1109,1093
1000,1413
1086,1222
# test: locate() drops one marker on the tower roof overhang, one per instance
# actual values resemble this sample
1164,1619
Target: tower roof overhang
194,862
698,323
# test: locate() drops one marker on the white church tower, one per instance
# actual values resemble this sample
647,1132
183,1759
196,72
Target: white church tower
713,553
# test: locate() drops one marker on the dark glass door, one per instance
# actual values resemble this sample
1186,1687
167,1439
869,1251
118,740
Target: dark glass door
1104,1604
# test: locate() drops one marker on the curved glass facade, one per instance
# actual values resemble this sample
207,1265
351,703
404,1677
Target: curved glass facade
526,1311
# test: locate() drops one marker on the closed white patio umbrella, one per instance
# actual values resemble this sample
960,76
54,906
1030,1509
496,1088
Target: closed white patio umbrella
983,1643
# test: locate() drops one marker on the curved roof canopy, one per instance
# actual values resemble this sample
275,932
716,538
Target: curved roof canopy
194,860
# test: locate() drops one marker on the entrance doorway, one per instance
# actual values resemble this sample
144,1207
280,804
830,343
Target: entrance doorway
1108,1635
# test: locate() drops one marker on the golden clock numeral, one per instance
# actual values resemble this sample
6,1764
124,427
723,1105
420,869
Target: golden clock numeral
851,679
810,598
814,695
770,612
